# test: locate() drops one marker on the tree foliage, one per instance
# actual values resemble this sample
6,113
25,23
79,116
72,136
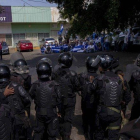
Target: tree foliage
99,14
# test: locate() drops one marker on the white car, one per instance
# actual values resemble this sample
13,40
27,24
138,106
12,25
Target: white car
47,41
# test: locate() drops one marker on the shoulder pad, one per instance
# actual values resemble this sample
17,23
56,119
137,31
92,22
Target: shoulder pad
73,73
14,84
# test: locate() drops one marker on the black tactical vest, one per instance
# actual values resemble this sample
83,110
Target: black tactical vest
64,80
14,101
136,86
5,123
86,93
45,97
111,92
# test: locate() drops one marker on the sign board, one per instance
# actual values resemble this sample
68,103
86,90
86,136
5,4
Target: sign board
6,15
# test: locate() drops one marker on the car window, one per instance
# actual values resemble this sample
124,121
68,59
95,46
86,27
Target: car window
4,44
49,39
25,41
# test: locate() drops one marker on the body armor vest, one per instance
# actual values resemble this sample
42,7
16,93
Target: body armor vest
86,93
111,92
64,81
5,124
14,101
45,97
136,86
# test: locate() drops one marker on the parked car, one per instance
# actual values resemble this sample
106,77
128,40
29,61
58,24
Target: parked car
5,48
24,45
136,32
47,41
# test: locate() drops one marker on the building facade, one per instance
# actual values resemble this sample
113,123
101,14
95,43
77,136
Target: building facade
31,23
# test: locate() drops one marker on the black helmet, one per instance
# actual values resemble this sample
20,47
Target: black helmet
65,59
44,69
106,61
92,63
20,62
4,73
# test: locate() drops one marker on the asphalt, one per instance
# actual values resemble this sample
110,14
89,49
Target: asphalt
79,65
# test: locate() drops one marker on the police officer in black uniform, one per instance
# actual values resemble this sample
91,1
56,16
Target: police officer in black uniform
5,113
88,104
69,84
17,102
134,84
20,75
47,97
127,94
109,91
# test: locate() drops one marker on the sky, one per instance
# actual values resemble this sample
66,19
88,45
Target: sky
26,3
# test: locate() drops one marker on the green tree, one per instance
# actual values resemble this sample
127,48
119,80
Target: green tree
98,15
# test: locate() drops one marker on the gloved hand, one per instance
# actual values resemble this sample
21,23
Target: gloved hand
8,91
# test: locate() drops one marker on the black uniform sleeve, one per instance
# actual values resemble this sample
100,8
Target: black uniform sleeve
126,93
131,83
27,83
24,96
32,91
58,97
75,81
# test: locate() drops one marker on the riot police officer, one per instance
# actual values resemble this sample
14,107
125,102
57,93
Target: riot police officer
47,97
20,73
5,115
17,101
109,90
69,84
88,104
134,84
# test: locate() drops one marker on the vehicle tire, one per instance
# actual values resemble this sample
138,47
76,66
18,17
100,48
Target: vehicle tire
32,50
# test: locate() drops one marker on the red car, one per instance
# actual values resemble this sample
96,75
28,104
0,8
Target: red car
24,45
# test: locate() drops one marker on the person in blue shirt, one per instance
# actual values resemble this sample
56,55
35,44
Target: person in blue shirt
102,42
94,35
65,47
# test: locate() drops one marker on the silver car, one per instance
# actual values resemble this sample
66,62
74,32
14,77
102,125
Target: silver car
5,48
47,41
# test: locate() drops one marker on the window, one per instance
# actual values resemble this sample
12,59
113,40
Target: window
42,36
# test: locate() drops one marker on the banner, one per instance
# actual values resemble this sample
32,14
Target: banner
6,15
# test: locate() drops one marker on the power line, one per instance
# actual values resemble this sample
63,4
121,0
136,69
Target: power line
32,5
37,1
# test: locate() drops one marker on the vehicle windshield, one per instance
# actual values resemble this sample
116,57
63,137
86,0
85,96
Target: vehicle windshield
25,41
49,39
3,44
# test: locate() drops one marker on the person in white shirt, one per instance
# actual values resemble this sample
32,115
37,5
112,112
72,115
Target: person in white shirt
125,45
130,39
91,48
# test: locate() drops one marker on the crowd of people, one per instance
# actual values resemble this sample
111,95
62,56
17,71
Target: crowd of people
105,97
94,43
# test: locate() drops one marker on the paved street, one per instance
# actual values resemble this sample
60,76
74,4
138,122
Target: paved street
33,57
